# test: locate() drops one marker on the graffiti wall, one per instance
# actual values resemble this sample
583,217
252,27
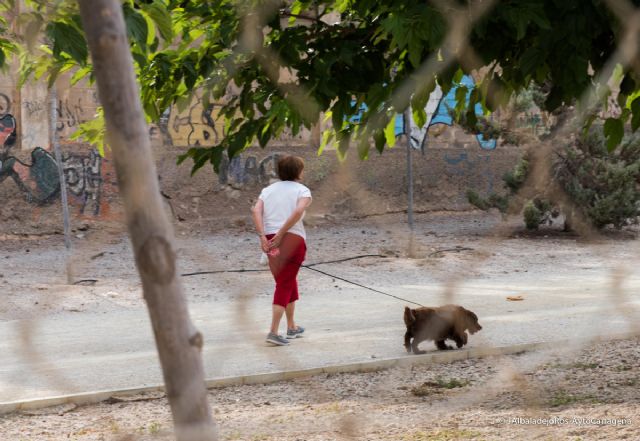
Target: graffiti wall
36,176
196,125
199,125
247,169
83,176
29,176
5,103
450,163
34,115
74,107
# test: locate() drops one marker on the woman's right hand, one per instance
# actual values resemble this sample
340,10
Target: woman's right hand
275,240
264,243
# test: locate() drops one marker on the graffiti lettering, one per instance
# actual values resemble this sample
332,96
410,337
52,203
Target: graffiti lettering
248,171
196,126
34,108
84,179
69,115
252,170
455,161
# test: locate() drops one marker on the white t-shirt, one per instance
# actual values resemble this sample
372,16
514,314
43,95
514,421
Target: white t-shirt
280,199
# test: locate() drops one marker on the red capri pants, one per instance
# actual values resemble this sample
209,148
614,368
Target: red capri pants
285,267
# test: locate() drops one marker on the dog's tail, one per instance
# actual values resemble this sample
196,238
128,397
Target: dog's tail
409,316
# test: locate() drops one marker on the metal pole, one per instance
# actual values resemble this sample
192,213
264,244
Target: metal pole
53,134
409,172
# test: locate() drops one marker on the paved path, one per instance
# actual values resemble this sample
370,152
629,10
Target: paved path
86,352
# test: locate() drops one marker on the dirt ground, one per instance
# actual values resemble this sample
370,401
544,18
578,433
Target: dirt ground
528,396
587,393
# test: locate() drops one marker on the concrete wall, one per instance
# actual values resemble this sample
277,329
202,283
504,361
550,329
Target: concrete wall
29,187
350,188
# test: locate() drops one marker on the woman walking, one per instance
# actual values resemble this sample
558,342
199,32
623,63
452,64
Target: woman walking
277,216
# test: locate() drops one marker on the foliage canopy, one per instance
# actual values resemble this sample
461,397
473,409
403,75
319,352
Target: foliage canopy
340,54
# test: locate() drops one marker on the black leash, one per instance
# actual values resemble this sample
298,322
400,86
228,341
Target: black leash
197,273
358,284
345,260
309,267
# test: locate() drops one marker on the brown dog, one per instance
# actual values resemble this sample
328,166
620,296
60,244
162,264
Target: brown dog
438,324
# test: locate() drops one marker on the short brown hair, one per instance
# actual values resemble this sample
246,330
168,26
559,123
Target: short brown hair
290,167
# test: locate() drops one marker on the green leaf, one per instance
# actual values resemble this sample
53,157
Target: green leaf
188,154
139,58
614,131
457,77
183,102
424,88
363,148
628,85
151,30
216,158
471,117
389,132
92,131
296,8
198,163
200,156
327,136
415,51
343,144
635,110
80,74
531,60
136,26
461,100
420,117
264,135
67,39
161,17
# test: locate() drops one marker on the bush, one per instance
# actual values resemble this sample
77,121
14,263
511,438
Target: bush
532,216
603,185
493,201
514,179
476,200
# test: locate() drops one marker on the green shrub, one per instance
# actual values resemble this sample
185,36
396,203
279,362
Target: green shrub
532,216
476,200
604,186
513,180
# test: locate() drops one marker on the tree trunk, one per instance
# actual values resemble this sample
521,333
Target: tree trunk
178,342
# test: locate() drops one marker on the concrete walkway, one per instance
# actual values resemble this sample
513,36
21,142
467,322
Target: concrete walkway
113,351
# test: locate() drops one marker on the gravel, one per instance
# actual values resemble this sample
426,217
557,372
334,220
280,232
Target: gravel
584,393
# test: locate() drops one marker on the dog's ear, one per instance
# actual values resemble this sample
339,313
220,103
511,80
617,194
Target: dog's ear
409,316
